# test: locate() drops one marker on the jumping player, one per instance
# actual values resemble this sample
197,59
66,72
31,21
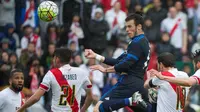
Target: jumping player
66,83
131,66
12,98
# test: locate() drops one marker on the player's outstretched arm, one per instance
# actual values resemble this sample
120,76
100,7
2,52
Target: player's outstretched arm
32,100
88,100
180,81
89,54
102,69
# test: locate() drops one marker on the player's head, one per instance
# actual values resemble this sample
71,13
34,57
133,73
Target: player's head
134,24
196,59
165,60
62,56
172,12
16,80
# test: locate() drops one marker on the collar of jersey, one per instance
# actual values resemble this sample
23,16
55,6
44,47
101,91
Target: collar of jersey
137,38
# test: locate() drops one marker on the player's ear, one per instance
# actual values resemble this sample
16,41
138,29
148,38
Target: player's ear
139,27
10,81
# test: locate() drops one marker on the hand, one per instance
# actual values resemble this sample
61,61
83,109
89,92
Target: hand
89,54
98,67
156,73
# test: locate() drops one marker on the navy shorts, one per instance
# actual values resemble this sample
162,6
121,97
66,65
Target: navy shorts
126,86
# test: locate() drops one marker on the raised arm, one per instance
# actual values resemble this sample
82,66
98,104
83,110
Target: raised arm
33,99
89,54
180,81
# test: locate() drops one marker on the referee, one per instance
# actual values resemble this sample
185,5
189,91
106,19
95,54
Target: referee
131,65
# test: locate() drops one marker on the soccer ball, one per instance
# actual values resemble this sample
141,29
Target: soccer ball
47,11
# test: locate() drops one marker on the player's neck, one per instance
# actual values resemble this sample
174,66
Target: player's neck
139,33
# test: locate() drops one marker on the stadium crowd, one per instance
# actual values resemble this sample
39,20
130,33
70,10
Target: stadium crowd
28,43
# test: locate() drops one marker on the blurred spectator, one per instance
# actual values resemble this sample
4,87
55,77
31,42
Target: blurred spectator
110,84
5,68
180,11
96,4
153,57
47,57
93,74
187,69
115,18
151,32
98,29
27,54
29,14
193,102
77,60
33,74
177,30
51,35
14,62
108,4
194,17
5,45
12,36
28,37
7,12
73,47
76,33
68,8
138,8
164,45
156,14
122,46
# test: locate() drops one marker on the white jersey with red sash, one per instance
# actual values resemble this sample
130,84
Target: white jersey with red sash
66,83
10,101
197,76
171,97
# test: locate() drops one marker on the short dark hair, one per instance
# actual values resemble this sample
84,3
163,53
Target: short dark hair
137,17
196,55
14,71
63,54
167,59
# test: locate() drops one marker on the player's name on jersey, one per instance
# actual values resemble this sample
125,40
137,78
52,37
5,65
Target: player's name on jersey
70,77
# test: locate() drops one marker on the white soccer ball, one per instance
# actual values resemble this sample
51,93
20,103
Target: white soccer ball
47,11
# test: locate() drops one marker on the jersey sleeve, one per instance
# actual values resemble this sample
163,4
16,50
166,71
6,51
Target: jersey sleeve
133,55
196,76
163,27
86,82
46,82
157,82
2,101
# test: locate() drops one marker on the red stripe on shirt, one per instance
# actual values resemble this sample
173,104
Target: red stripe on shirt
22,98
44,87
197,78
176,88
89,86
62,81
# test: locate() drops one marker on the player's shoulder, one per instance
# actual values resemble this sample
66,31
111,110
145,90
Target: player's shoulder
183,74
4,92
197,73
